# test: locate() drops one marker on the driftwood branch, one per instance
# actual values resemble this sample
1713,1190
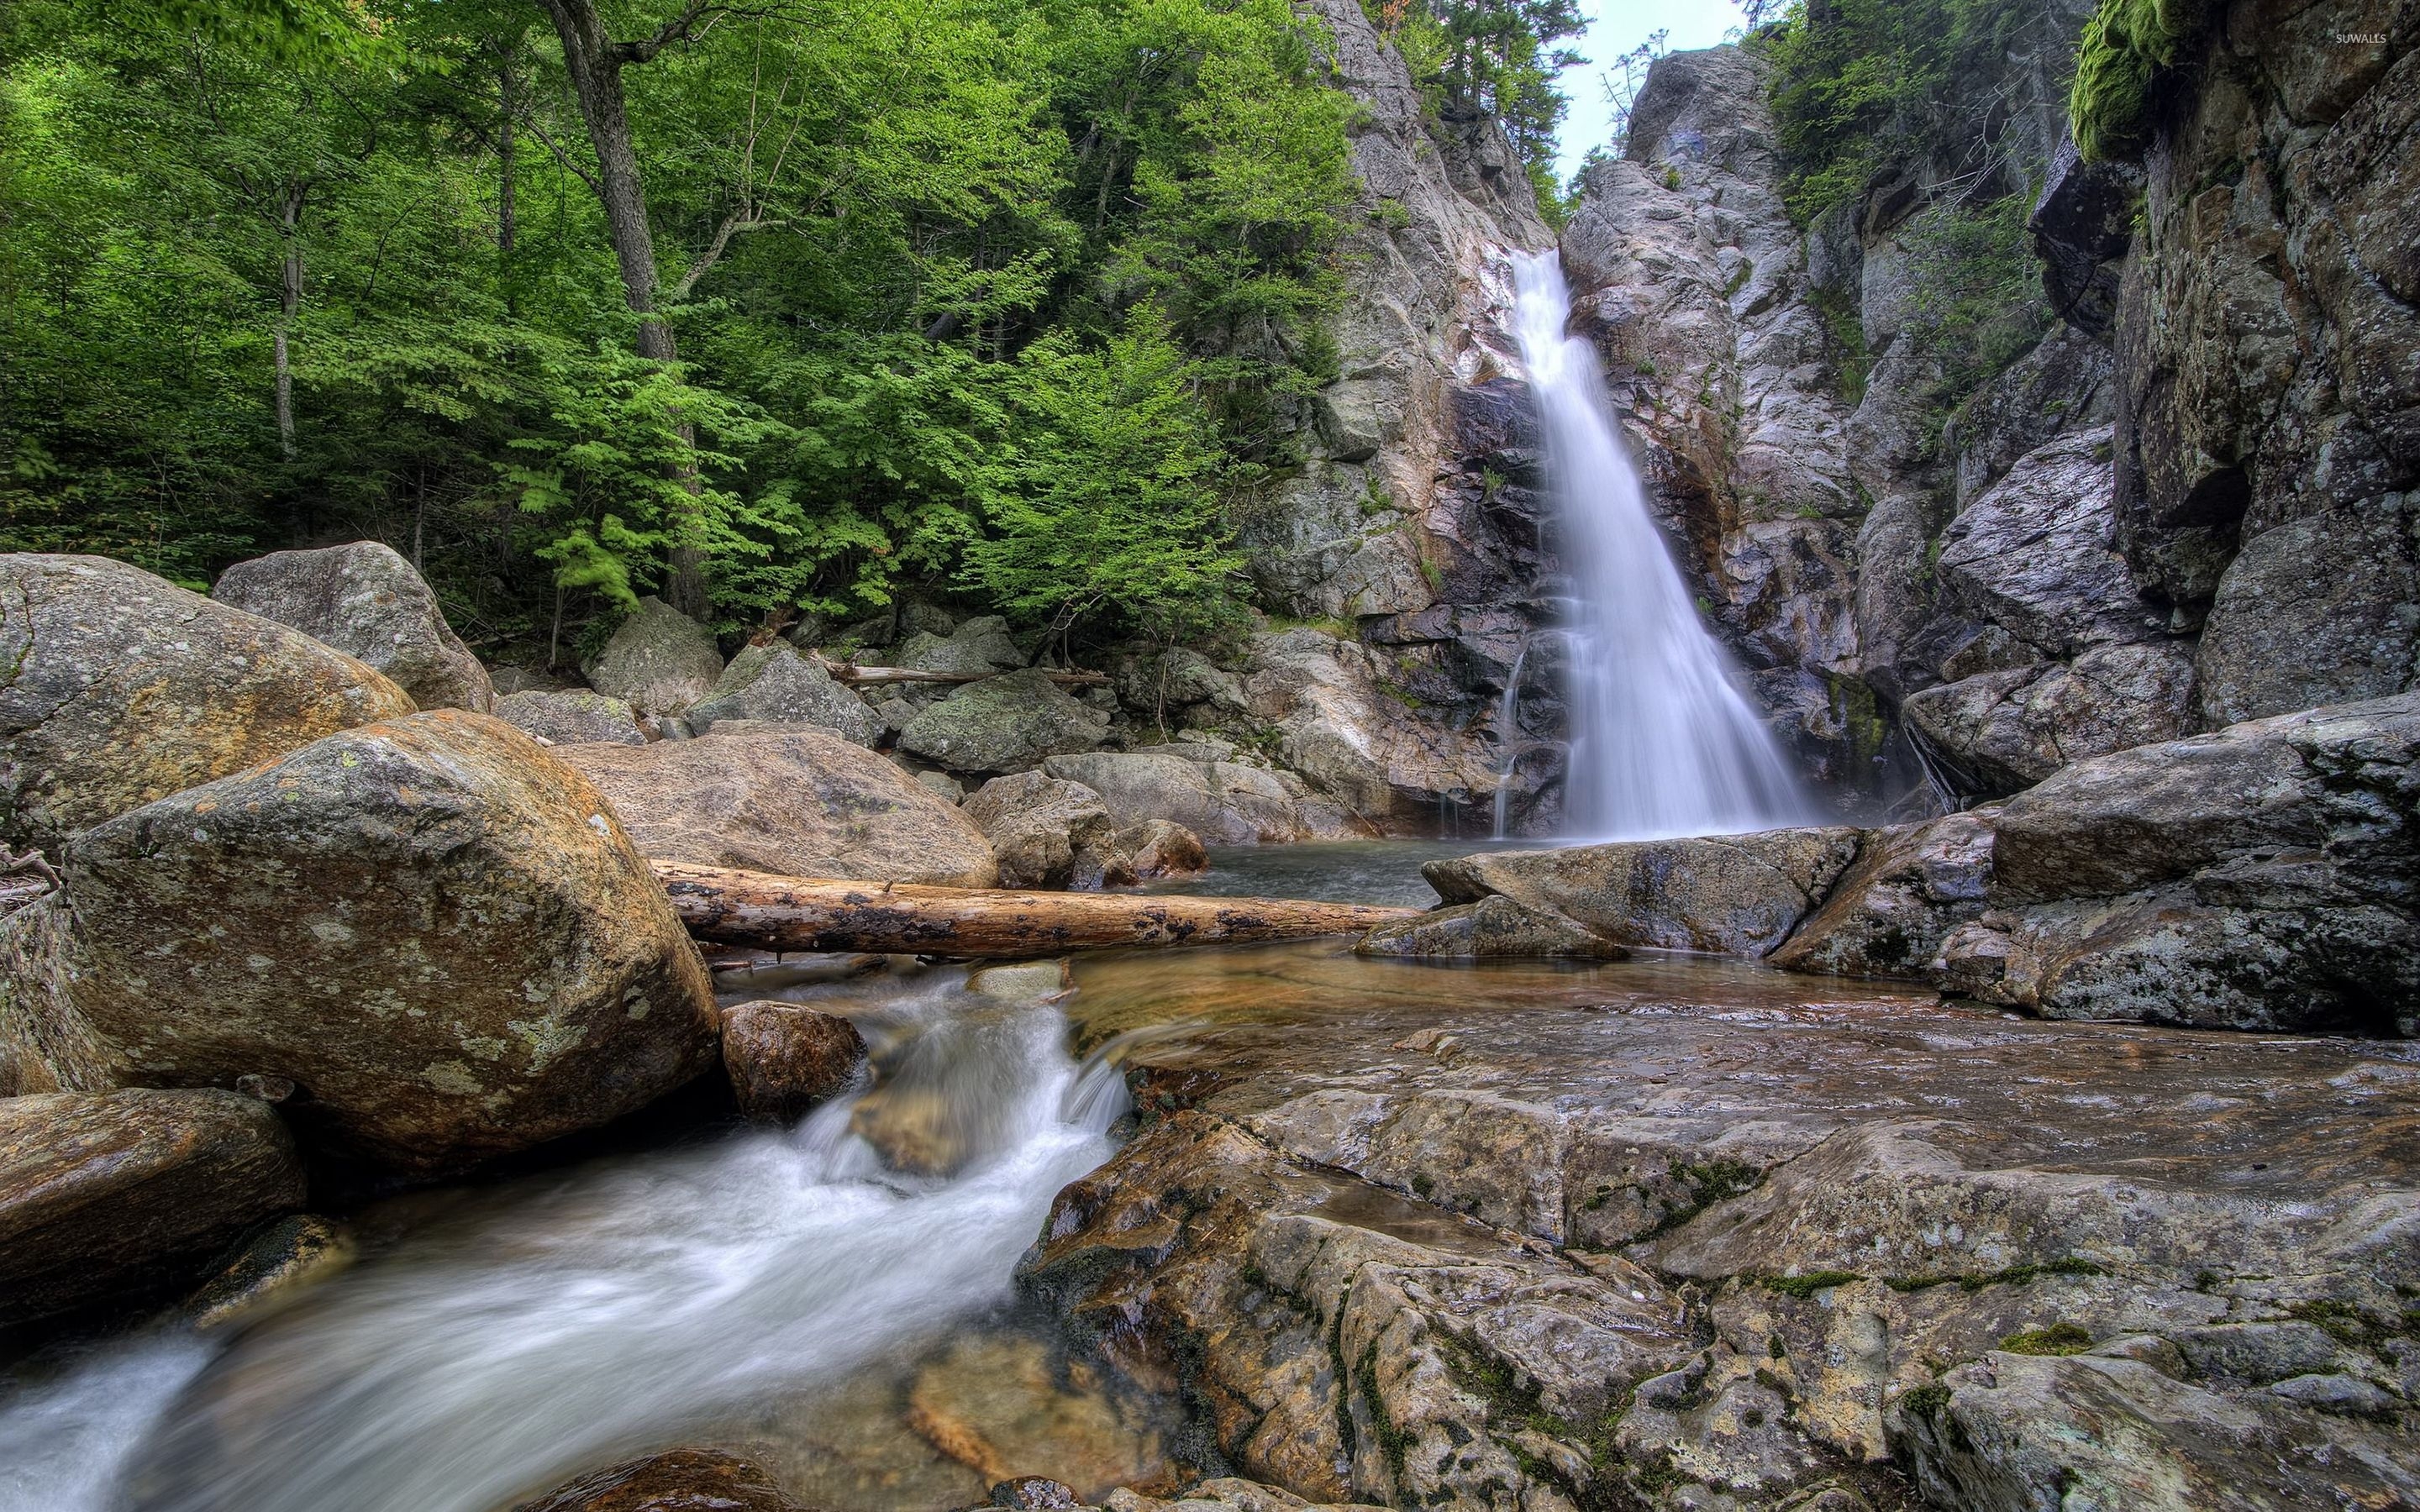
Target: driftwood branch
849,672
776,913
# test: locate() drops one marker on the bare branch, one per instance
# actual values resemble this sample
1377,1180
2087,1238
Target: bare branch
564,158
746,218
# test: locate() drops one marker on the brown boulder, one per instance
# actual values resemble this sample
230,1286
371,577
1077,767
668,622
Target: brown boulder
430,926
1161,848
123,687
1045,831
792,802
109,1194
677,1480
783,1059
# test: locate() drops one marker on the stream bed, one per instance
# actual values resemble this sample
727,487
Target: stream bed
839,1300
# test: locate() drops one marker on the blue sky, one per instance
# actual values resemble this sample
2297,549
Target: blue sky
1616,26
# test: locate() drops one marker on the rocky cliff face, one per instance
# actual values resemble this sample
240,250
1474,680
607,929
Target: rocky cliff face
2186,505
1412,518
2266,332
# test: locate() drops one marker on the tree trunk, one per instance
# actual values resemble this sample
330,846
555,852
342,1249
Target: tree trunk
290,301
508,165
595,62
776,913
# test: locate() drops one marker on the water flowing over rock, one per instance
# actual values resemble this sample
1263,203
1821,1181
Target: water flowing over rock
1663,743
787,801
106,1195
431,926
367,602
677,1480
571,716
659,661
777,683
124,688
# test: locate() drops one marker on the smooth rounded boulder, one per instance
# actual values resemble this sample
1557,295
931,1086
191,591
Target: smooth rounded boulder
367,601
660,661
783,1059
105,1193
787,801
122,688
430,926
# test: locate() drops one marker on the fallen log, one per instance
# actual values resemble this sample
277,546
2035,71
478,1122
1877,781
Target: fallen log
849,672
768,912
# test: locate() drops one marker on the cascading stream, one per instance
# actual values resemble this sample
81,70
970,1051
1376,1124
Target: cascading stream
1662,741
550,1328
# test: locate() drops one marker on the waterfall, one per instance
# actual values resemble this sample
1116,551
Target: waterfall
1507,731
1663,743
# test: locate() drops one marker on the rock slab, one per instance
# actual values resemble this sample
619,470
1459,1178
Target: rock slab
109,1195
787,801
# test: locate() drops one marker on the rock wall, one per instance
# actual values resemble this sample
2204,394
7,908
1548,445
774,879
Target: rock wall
2269,395
1410,538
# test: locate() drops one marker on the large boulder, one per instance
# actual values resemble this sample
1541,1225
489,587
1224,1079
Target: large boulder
2037,554
430,926
777,683
571,716
1003,724
107,1195
122,689
1224,803
788,801
2257,877
1045,831
367,601
2000,731
1887,915
978,648
660,661
1722,894
783,1059
2324,609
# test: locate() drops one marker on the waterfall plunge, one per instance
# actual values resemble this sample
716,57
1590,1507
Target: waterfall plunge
1662,741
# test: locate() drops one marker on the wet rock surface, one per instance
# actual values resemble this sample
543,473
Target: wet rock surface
431,927
367,601
1680,1235
677,1480
787,801
123,689
110,1194
783,1059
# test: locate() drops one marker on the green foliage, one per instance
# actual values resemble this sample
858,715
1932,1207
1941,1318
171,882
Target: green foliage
1861,83
1001,293
2055,1338
1803,1286
1492,58
1976,303
2128,47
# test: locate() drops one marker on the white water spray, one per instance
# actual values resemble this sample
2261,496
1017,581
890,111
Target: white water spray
1662,741
569,1322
